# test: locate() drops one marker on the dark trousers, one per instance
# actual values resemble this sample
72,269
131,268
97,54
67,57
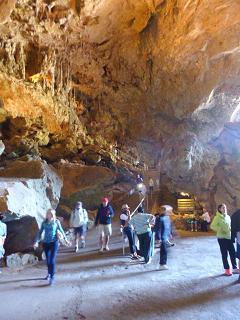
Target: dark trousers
145,245
226,246
163,253
131,239
50,250
204,226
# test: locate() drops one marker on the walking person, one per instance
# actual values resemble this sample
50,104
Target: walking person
53,231
221,224
151,186
142,225
205,220
103,220
235,230
79,221
3,235
164,234
128,230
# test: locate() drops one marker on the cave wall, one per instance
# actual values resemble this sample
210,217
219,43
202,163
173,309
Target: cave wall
157,77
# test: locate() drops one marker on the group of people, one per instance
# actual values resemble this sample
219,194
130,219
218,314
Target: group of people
146,229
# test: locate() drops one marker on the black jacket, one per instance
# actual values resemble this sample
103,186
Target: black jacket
235,224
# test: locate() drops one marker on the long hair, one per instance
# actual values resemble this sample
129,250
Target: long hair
53,213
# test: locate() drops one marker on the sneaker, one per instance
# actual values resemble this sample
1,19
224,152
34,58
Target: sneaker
83,244
51,281
76,249
149,261
47,277
107,248
228,272
236,271
163,267
101,249
134,258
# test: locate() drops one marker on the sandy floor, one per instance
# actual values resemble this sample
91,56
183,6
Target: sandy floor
108,286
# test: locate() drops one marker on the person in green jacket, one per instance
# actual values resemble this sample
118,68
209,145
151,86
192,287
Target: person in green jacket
221,224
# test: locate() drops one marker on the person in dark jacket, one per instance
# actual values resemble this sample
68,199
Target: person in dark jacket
235,233
104,222
164,234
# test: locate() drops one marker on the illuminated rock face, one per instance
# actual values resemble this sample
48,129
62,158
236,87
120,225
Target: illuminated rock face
159,75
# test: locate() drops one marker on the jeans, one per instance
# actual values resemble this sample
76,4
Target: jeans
131,239
50,250
204,226
226,246
145,245
163,253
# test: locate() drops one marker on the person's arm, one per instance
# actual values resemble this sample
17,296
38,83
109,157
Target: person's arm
214,225
39,234
111,212
97,217
59,227
85,216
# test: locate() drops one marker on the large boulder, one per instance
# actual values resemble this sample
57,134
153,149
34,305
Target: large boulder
84,183
21,235
28,188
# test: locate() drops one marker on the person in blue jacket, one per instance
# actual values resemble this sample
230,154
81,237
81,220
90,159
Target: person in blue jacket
53,231
164,234
103,220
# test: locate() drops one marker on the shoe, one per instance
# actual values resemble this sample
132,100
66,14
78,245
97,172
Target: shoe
83,244
236,271
228,272
163,267
51,281
47,277
107,248
134,258
149,261
101,249
76,249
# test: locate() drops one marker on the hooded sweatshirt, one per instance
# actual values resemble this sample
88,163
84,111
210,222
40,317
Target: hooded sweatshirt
221,224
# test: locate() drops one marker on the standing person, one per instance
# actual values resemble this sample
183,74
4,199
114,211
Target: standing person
3,235
165,233
79,221
104,219
142,225
221,224
128,230
235,230
151,185
205,220
52,229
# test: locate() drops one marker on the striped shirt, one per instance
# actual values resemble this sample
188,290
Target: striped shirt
141,222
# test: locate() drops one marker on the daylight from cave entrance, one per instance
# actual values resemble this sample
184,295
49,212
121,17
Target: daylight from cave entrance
110,109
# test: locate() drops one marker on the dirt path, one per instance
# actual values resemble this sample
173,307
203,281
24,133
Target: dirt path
108,286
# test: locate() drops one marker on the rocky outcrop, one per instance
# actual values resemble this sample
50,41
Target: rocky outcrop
28,188
21,235
158,76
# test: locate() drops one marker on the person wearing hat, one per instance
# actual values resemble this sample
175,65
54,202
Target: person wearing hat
79,221
3,235
103,220
128,230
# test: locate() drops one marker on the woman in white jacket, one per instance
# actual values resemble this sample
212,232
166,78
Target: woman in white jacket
78,221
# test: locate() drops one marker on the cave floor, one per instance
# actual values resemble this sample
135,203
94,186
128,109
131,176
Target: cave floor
90,285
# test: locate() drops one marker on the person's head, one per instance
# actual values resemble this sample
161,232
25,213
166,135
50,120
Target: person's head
222,208
125,208
140,209
163,210
105,201
169,209
1,216
51,215
78,205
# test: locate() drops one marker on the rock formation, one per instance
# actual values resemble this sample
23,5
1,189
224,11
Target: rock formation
159,79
